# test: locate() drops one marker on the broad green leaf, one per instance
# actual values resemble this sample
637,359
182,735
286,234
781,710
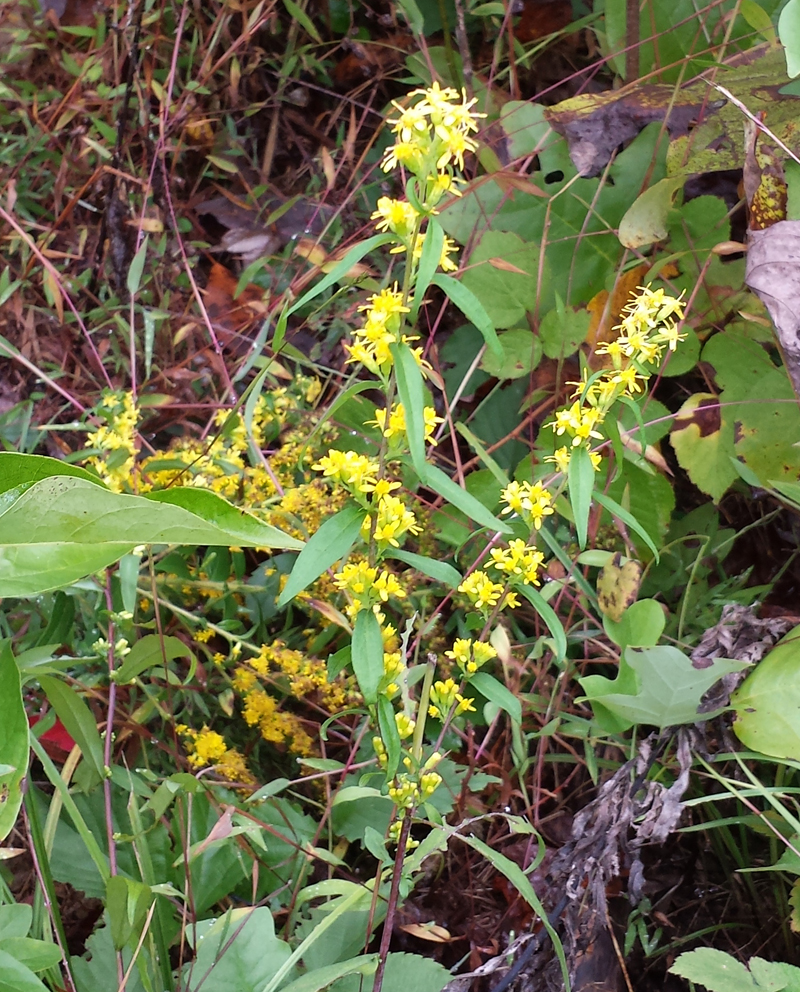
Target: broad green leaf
148,651
367,655
99,969
240,949
703,444
64,528
717,970
497,693
472,308
442,484
641,625
404,973
412,396
15,920
440,571
658,686
789,33
581,485
322,978
13,747
38,955
77,718
522,352
127,903
645,221
502,274
767,703
19,470
16,977
330,543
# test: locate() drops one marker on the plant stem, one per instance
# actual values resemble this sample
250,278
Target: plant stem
394,892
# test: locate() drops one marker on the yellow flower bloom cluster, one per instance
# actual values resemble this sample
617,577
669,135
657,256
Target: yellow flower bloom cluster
116,440
275,725
415,785
396,426
649,325
444,697
531,501
392,522
357,473
485,594
382,328
432,136
365,587
207,747
518,561
470,655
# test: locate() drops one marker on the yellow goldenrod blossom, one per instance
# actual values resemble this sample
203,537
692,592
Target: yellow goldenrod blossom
356,472
445,696
518,560
470,655
393,520
366,587
116,440
480,590
530,500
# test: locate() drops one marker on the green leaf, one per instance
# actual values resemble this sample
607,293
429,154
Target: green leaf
100,970
15,977
321,978
63,528
412,396
38,955
503,272
13,746
240,950
19,470
148,651
641,626
703,444
428,264
15,920
330,544
789,33
548,614
340,269
78,720
497,693
767,703
389,735
627,518
581,485
404,973
472,308
127,903
439,571
658,686
367,655
522,352
298,14
137,267
716,970
645,221
442,484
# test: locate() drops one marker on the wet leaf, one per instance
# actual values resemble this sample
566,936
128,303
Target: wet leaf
703,444
646,219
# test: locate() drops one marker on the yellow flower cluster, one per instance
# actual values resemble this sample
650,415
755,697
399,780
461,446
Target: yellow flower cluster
415,785
470,655
116,440
382,328
485,594
357,473
365,588
518,561
531,501
446,697
649,325
393,520
207,747
396,426
275,725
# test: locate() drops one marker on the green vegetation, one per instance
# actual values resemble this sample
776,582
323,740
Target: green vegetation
398,495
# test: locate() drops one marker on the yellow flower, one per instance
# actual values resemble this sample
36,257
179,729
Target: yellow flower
392,522
354,471
480,590
469,655
531,501
518,560
397,216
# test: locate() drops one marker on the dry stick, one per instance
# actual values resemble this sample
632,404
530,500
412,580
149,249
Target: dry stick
463,46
